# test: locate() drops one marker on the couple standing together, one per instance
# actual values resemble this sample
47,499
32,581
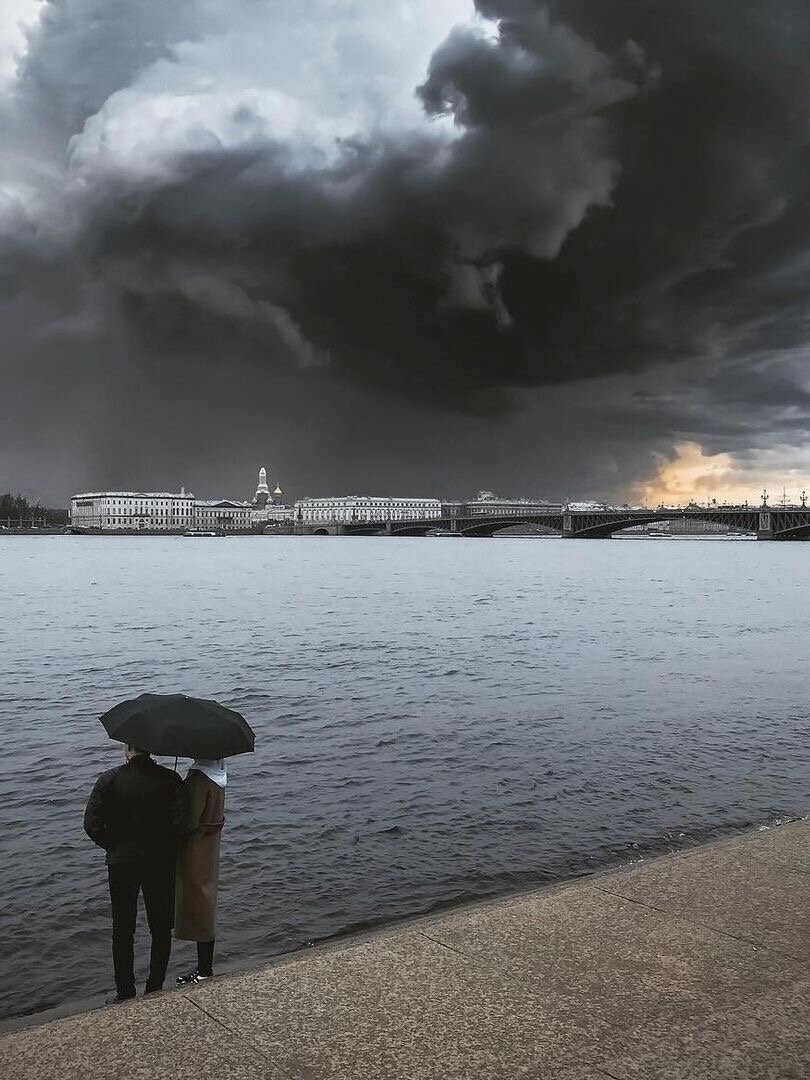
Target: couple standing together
161,835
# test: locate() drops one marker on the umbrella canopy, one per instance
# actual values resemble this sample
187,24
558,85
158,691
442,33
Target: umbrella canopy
174,725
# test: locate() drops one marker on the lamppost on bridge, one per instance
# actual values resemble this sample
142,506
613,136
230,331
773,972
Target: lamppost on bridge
804,500
764,498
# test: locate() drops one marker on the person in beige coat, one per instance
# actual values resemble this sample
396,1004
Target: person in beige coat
198,865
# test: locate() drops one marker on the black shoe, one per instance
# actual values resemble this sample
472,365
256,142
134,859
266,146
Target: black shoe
192,977
116,999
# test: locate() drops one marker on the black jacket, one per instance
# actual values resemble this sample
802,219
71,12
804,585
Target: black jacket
138,812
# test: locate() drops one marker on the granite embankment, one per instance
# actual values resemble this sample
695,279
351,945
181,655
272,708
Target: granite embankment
683,967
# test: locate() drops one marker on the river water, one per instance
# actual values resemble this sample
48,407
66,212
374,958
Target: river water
436,720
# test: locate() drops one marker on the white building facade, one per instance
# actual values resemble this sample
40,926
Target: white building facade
273,515
222,515
493,505
155,511
489,505
359,508
113,511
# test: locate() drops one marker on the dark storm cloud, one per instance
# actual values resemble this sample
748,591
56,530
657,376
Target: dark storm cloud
394,260
624,196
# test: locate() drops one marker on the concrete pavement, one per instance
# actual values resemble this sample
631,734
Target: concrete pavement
683,967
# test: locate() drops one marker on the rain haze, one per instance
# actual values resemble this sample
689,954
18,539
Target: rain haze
547,248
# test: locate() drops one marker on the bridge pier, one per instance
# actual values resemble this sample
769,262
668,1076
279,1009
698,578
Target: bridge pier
765,526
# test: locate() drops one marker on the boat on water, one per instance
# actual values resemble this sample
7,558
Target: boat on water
201,532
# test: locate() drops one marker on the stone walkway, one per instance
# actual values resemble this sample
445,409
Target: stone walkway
683,967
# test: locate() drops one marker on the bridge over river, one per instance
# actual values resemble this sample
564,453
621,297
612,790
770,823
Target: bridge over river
767,523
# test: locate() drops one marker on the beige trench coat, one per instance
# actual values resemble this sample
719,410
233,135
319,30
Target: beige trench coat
198,861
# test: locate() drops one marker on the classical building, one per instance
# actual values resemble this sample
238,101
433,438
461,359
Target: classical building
486,503
113,511
156,511
222,515
354,508
273,513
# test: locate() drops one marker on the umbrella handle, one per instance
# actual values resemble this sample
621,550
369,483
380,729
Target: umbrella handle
175,764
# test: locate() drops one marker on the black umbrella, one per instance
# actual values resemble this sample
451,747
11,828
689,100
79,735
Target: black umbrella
174,725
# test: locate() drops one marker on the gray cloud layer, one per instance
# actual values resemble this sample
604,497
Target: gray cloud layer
593,242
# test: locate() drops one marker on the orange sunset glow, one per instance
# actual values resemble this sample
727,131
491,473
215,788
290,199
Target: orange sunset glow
697,476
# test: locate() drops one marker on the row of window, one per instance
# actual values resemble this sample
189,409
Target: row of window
418,504
180,514
365,514
154,521
136,519
496,511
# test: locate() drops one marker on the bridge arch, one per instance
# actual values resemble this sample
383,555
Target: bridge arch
492,528
413,530
798,532
594,526
602,530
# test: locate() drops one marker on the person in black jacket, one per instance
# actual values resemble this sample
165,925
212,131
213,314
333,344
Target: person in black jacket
138,813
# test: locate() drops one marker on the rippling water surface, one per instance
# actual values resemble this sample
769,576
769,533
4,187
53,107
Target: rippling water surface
436,719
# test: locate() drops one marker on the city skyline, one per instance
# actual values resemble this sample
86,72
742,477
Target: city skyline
547,247
689,482
263,495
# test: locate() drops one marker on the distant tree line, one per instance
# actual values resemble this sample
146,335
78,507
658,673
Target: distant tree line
17,512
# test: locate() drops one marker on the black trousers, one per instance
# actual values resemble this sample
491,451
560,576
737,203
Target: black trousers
205,957
156,881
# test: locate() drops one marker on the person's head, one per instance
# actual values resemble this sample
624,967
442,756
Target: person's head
132,751
213,768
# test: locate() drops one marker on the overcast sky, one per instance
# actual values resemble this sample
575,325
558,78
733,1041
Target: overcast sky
416,247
